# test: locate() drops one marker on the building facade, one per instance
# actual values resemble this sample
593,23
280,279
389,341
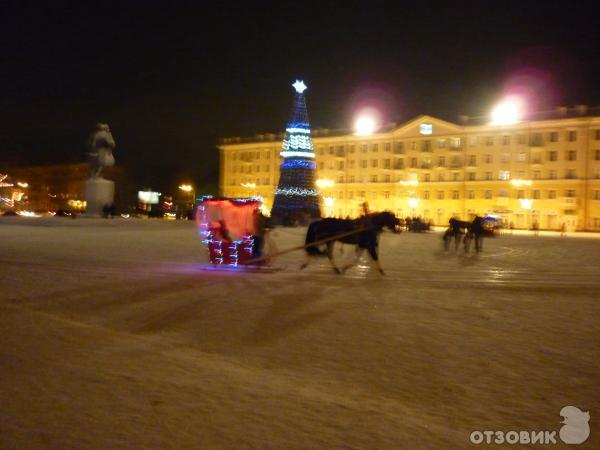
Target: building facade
544,172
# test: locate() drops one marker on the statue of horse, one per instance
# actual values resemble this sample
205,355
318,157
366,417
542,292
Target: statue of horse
362,232
100,147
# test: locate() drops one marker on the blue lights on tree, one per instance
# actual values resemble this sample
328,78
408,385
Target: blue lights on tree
296,197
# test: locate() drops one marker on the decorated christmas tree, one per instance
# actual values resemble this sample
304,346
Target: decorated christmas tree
296,198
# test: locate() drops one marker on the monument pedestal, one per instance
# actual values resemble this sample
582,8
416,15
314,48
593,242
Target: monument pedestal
98,193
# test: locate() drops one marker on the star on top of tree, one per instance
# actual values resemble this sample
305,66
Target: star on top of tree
299,86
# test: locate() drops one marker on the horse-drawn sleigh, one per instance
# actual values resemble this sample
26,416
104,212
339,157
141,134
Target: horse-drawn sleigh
235,234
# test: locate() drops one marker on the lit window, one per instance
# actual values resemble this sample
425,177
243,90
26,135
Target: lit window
504,175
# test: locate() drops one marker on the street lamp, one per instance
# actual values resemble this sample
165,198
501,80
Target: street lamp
189,189
508,111
526,204
328,202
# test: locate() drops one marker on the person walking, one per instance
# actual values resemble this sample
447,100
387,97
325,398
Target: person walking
477,231
563,230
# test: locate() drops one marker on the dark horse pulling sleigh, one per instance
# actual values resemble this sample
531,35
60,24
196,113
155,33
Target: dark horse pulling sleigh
362,232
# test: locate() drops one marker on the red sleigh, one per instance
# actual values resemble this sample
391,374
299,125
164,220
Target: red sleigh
228,228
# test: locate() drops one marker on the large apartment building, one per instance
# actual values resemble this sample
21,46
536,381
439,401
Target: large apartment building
544,171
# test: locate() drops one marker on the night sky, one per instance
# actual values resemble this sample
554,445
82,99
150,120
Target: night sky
172,77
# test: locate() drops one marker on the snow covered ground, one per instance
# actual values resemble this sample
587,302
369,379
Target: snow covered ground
111,337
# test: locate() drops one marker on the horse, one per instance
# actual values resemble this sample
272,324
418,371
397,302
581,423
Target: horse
362,232
455,231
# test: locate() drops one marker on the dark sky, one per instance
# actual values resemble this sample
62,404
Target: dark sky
171,77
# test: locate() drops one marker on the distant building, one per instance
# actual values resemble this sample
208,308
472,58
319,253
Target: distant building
544,171
51,187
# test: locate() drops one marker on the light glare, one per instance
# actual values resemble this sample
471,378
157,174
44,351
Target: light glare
507,112
364,126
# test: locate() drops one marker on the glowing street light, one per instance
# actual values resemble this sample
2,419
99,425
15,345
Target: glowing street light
526,203
22,184
509,111
189,189
413,202
364,126
324,183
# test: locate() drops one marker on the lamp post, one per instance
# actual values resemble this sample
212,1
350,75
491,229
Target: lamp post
526,204
329,201
190,190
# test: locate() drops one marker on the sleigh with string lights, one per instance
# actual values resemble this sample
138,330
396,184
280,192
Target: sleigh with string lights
234,233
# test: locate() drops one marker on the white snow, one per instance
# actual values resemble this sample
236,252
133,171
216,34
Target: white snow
111,337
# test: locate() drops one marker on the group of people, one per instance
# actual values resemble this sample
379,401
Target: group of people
465,232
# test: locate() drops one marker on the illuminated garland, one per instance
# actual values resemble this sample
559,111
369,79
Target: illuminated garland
296,142
298,154
291,164
296,191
